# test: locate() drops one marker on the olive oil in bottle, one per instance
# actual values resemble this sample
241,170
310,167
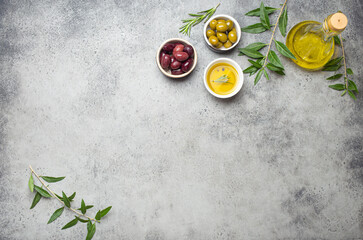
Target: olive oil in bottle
312,42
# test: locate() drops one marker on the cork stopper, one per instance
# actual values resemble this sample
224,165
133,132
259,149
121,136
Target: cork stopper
337,22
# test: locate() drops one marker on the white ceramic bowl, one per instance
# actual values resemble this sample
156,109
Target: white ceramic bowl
168,73
235,25
240,77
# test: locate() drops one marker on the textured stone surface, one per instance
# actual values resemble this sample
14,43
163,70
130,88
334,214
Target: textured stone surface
81,96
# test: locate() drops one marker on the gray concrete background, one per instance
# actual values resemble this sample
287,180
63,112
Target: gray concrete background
81,96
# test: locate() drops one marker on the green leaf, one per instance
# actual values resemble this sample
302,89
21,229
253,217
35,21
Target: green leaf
254,28
334,77
52,179
337,40
256,46
89,225
66,200
36,199
42,192
280,72
352,86
345,91
332,68
283,22
351,94
98,215
256,12
91,231
70,198
56,214
70,224
266,75
274,59
334,61
283,49
338,87
251,53
258,76
257,65
105,211
250,69
83,207
87,207
265,20
81,220
349,71
31,183
274,68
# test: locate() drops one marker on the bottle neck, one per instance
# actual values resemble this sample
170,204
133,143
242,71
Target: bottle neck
328,32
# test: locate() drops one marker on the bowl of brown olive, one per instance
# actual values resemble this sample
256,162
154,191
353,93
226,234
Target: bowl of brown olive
222,33
176,58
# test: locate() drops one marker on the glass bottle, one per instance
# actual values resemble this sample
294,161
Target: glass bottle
312,42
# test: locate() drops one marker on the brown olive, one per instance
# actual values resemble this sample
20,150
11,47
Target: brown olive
232,36
221,27
229,24
213,40
222,37
227,44
210,32
219,45
213,24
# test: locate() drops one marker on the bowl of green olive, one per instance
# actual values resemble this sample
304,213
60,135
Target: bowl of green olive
222,33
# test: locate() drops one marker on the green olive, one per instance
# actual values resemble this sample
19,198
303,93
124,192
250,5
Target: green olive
213,24
213,40
232,36
210,32
219,45
234,30
221,27
221,21
227,44
229,24
222,37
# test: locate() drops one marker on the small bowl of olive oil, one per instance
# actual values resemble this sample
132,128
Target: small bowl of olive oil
223,78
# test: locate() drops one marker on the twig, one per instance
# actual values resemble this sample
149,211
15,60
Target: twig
273,33
55,196
345,65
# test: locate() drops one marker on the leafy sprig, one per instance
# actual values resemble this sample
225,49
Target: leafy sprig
334,65
46,192
270,60
197,18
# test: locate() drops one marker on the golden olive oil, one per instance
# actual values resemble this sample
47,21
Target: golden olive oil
312,42
222,78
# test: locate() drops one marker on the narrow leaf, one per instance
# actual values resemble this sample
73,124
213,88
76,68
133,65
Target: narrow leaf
70,198
273,67
280,72
283,22
332,68
338,87
52,179
42,192
283,49
250,69
31,183
265,20
258,76
352,95
87,207
83,207
337,41
66,200
266,75
334,61
256,46
81,220
105,211
36,199
70,224
335,77
256,12
89,225
98,215
349,71
345,91
254,28
56,214
257,65
352,86
251,53
274,59
91,232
